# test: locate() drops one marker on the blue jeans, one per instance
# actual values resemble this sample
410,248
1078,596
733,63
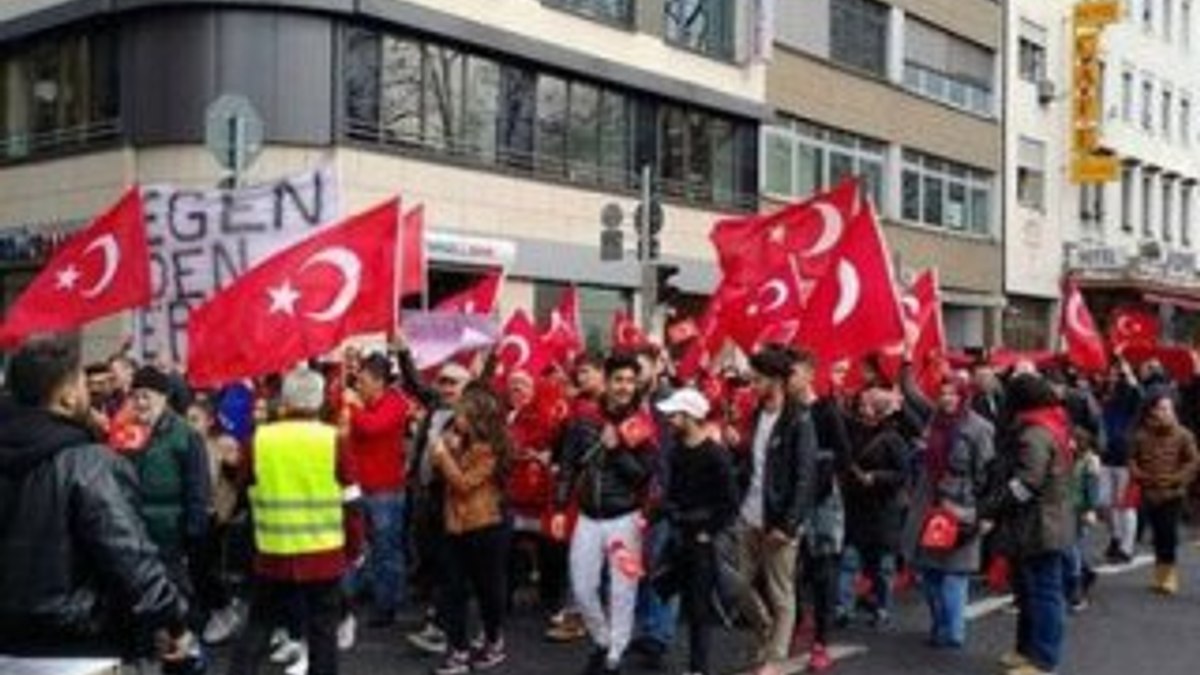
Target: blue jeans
880,568
384,567
655,619
946,595
1041,608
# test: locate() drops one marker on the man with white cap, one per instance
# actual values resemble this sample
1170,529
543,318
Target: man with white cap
302,480
701,501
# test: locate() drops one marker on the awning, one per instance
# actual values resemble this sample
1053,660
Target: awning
1152,290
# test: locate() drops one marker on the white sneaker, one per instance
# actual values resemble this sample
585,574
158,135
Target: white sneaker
289,651
429,639
347,633
223,624
300,667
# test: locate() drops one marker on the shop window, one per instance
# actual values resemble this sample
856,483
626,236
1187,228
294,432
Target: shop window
859,35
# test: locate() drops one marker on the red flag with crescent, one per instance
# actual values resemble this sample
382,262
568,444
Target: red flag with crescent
1132,327
480,298
301,302
100,270
521,348
1084,345
625,333
854,309
564,337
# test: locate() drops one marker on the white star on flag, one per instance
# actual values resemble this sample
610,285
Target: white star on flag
65,280
283,299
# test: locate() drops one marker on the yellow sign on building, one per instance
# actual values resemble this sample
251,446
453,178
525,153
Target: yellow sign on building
1088,164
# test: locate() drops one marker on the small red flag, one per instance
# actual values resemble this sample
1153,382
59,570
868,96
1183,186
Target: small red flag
412,246
564,337
1084,346
478,299
625,333
521,348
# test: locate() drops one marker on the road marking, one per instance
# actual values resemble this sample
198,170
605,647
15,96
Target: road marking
987,606
799,664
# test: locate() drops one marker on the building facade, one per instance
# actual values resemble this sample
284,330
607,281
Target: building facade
1129,240
905,94
514,122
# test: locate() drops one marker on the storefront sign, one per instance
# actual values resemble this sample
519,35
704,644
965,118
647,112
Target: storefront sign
467,250
201,240
1098,258
1180,264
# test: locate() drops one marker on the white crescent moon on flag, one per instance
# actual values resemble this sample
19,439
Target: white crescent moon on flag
777,290
912,306
350,268
851,290
112,257
522,347
832,227
1123,327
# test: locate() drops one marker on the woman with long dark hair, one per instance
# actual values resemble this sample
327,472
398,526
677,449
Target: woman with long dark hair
471,456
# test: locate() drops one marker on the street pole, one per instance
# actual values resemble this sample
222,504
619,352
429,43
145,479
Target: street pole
645,262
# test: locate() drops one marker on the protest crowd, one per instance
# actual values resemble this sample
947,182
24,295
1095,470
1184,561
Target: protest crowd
755,471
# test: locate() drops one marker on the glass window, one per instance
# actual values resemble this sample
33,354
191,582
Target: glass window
858,35
1186,195
910,208
981,214
614,11
615,138
1147,105
706,26
1185,121
401,96
1127,96
947,68
945,194
1032,52
363,54
1126,198
1031,174
699,154
518,105
933,199
1168,208
779,163
1166,115
724,161
481,115
583,132
673,132
443,97
811,169
1147,206
551,141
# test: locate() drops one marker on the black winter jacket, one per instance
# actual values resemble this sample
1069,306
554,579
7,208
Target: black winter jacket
789,482
608,482
78,568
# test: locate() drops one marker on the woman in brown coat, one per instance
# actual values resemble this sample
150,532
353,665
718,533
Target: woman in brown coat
1164,461
470,457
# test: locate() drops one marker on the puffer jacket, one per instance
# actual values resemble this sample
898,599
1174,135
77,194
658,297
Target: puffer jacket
1031,502
78,568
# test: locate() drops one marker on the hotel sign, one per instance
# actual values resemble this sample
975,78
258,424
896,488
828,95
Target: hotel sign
1088,163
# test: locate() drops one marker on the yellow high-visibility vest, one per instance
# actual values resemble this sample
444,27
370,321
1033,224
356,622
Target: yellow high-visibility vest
296,498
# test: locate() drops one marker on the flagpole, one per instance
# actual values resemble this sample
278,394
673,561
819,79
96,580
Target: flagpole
398,271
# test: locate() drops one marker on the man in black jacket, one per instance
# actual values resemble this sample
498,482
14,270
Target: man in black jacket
80,574
606,465
777,471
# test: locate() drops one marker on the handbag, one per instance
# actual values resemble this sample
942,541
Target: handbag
940,530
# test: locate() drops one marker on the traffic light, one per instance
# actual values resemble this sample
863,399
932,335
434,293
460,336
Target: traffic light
668,293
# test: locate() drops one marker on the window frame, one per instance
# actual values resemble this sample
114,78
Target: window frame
622,18
927,169
801,135
724,48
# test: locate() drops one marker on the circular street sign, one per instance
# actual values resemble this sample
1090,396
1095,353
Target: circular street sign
611,215
233,131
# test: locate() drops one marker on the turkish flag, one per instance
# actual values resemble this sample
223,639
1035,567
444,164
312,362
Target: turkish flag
1084,345
769,311
478,299
564,337
804,234
925,329
101,270
521,348
301,302
412,262
1132,326
854,309
625,333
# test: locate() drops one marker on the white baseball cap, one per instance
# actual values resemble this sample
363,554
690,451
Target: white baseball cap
687,401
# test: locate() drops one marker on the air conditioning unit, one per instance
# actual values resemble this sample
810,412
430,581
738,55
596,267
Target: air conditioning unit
1151,251
1045,92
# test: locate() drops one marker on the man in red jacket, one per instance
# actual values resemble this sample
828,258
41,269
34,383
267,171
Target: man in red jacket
376,422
